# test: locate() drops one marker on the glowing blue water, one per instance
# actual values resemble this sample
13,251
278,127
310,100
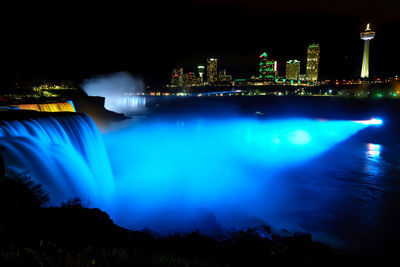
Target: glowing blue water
165,171
170,175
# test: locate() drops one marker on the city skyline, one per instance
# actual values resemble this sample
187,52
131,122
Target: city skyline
267,72
150,42
268,68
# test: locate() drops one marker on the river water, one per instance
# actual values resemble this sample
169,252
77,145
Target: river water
347,197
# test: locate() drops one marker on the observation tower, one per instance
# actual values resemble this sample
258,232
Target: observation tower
367,35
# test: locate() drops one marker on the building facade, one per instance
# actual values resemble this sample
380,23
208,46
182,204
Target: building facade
267,68
175,77
313,55
212,74
292,70
180,78
190,79
201,73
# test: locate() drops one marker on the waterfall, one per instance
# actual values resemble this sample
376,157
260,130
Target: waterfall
64,153
127,104
165,172
49,107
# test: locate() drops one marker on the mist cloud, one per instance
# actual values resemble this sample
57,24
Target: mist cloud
119,90
112,85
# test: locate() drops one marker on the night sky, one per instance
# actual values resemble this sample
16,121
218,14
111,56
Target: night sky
75,41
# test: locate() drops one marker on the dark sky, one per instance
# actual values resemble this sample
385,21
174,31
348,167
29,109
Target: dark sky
149,38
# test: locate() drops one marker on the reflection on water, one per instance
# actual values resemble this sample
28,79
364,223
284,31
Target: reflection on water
374,150
347,197
373,161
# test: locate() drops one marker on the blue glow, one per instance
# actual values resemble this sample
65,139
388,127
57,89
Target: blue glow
160,174
65,154
373,121
299,137
225,166
119,90
127,104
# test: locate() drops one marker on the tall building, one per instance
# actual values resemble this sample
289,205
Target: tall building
276,69
180,78
224,77
313,52
267,68
175,77
190,79
212,74
292,70
367,36
201,73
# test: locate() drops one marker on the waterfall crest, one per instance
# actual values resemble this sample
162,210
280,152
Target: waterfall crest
64,153
49,107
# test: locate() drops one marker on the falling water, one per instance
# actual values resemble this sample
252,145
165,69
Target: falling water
121,92
63,153
49,107
166,172
127,104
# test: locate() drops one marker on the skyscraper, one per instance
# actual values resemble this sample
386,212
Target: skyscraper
180,78
276,69
212,75
190,79
312,62
292,69
267,68
201,73
367,36
175,77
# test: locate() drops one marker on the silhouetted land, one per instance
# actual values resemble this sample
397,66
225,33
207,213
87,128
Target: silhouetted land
32,234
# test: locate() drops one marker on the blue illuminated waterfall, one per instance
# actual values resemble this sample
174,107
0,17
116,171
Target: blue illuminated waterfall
127,104
63,153
160,174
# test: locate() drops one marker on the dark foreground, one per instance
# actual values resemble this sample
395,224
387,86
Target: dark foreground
71,235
